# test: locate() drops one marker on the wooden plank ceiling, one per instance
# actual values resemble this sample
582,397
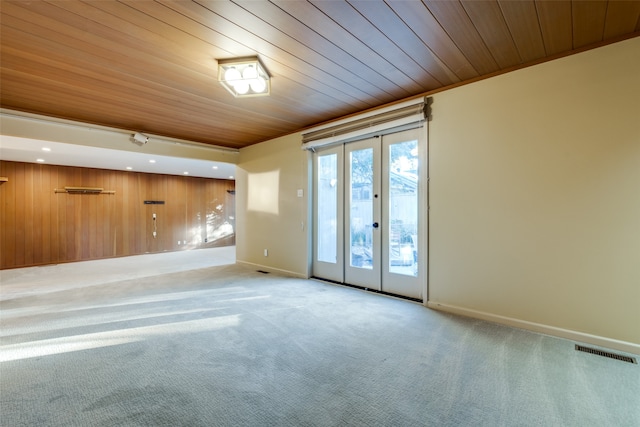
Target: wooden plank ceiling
150,66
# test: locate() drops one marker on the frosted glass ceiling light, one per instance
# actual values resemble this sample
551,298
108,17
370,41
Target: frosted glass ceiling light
249,73
259,85
244,77
241,87
231,75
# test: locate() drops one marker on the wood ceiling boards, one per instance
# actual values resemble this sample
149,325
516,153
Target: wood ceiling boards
150,66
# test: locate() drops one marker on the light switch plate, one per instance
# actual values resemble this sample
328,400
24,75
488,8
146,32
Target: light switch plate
300,192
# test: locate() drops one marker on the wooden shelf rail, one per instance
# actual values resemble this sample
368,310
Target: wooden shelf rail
83,190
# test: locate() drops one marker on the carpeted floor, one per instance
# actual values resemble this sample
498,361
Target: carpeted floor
223,345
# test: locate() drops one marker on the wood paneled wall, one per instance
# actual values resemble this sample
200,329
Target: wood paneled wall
39,226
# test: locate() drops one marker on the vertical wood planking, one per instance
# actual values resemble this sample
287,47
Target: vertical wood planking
176,214
19,223
218,210
29,236
522,19
47,210
174,233
77,223
72,59
157,191
555,24
490,22
429,30
148,192
190,211
588,22
622,17
231,210
453,17
40,226
138,230
8,215
122,207
38,209
95,216
110,225
181,211
196,218
61,229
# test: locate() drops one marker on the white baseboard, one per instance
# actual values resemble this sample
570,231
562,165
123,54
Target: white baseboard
271,269
610,343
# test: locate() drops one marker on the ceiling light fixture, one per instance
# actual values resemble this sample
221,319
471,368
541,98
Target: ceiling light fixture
244,77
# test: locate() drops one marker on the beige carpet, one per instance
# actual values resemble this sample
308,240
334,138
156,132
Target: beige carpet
224,345
53,278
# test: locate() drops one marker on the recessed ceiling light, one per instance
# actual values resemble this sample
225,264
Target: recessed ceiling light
215,167
185,172
46,149
230,176
40,160
129,168
152,161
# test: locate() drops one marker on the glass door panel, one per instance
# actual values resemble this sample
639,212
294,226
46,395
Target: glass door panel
402,221
403,208
327,249
328,215
363,208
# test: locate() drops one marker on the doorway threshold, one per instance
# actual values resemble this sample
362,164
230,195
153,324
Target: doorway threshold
363,288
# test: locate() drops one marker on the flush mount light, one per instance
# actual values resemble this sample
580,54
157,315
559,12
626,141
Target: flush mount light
244,77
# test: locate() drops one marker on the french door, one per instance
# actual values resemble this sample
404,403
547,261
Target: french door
366,217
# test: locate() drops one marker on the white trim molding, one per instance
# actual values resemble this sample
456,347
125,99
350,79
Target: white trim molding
254,266
568,334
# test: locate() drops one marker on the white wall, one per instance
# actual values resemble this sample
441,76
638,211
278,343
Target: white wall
534,195
37,127
269,213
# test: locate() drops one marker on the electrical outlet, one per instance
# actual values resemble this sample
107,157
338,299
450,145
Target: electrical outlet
154,216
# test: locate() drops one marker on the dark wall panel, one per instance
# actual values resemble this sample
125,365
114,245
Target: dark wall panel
39,226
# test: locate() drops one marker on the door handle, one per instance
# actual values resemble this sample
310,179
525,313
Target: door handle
375,225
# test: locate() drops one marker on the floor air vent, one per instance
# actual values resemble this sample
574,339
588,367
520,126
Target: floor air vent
606,354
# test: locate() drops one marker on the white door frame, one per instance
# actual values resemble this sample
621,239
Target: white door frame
336,272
